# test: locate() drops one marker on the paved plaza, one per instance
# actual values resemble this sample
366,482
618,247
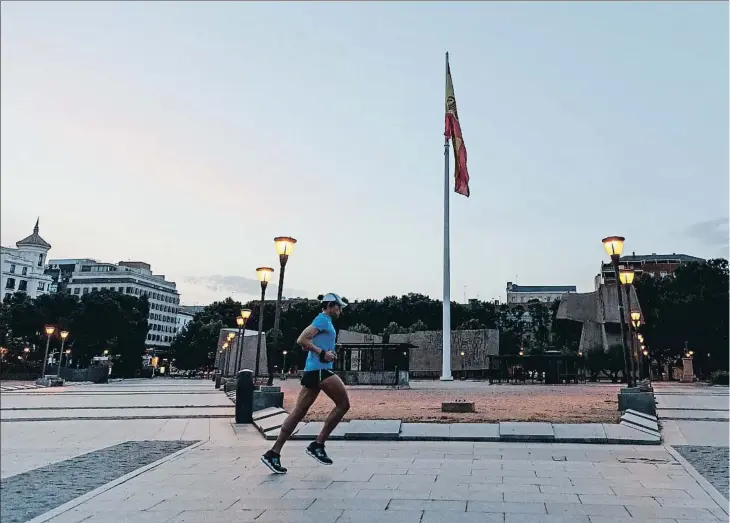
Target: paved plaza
129,452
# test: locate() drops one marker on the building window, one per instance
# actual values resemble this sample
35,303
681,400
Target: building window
23,285
40,260
12,269
41,286
10,284
7,295
77,290
25,271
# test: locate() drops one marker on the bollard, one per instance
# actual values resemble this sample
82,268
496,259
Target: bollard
217,380
244,396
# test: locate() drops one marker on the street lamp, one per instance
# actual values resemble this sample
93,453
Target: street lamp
64,335
264,275
26,352
68,355
241,322
614,246
284,247
229,349
627,279
50,329
283,367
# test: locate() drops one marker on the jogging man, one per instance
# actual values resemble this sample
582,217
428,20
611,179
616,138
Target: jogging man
319,340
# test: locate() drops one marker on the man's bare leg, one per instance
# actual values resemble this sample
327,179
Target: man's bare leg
304,401
335,390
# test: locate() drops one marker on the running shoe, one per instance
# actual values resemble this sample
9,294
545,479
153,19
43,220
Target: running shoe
316,450
273,460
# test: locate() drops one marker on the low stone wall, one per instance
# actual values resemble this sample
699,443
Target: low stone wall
374,378
477,345
93,374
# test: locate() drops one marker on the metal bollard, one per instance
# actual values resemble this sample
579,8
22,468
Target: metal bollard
244,396
218,380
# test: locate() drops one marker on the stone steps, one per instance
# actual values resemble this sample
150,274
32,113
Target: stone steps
634,429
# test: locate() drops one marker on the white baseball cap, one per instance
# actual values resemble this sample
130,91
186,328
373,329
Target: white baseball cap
332,297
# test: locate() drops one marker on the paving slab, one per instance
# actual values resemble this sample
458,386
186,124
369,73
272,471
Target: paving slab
526,431
641,414
311,430
265,413
624,434
579,433
640,428
474,431
374,429
272,422
640,421
424,432
274,433
700,415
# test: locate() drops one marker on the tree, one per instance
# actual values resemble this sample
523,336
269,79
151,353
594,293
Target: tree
418,326
359,327
540,326
689,307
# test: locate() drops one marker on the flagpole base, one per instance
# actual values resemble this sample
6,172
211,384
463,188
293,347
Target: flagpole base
446,378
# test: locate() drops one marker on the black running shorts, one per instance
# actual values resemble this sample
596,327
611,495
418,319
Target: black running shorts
312,378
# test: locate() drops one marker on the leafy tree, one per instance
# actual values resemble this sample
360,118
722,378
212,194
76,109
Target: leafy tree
359,327
691,308
418,326
470,324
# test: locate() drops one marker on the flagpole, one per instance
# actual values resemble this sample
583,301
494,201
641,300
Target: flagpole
446,328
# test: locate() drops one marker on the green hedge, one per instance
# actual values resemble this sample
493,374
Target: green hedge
719,377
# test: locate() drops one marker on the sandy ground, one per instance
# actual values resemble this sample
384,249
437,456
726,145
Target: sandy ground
422,402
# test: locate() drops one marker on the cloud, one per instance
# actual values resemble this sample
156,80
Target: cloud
226,285
710,232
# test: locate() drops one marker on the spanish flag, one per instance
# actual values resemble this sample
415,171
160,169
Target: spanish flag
453,132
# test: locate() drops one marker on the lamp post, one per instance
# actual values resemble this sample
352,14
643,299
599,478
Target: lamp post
26,353
264,275
284,247
241,322
64,335
636,323
283,367
614,246
68,355
229,347
627,279
50,329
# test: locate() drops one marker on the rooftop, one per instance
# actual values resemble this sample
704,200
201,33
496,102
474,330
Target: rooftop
34,240
541,288
656,258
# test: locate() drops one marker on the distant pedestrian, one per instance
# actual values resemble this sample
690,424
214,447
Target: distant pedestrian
319,340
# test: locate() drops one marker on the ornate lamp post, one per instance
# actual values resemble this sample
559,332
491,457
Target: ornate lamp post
284,247
241,322
229,347
627,279
614,246
68,355
50,329
64,335
283,366
264,275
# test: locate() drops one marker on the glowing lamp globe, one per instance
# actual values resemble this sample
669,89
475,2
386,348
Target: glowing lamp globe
264,274
239,321
50,329
626,277
64,335
614,245
284,245
245,314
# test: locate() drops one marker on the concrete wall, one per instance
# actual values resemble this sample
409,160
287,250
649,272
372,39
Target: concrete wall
594,310
248,351
373,378
345,336
476,344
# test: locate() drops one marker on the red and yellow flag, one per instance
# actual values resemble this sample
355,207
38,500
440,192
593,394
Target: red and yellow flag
453,132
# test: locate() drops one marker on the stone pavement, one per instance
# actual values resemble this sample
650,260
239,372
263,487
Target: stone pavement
221,478
694,421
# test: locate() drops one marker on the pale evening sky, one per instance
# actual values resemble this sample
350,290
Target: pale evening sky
188,135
